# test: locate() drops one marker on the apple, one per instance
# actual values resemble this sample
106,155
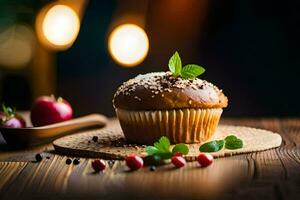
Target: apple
49,110
10,119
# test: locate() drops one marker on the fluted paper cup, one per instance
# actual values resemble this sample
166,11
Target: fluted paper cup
179,125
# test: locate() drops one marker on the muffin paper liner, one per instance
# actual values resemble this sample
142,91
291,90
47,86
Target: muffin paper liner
179,125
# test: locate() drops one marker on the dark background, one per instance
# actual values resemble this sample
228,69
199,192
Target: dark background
249,48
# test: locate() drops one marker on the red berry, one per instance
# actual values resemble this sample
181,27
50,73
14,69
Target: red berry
178,161
98,165
205,159
178,154
134,162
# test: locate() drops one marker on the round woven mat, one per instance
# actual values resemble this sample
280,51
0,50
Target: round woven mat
111,144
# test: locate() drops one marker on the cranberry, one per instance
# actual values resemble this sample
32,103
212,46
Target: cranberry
134,162
178,154
205,159
178,161
98,165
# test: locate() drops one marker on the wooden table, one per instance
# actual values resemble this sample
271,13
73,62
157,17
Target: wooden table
272,174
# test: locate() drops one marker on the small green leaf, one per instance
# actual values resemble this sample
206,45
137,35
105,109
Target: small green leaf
212,146
158,146
181,148
234,144
164,144
230,137
175,64
191,71
151,150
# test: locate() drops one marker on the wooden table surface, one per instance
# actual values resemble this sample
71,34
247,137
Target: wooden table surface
272,174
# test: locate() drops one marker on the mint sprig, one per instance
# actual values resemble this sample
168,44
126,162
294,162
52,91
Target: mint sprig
189,71
230,142
162,149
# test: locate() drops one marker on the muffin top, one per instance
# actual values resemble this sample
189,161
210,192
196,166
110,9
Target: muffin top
163,91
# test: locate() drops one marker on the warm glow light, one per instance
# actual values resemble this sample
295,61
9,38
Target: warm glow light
61,25
128,44
16,46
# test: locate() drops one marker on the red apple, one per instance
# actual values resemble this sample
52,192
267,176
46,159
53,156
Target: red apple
10,119
49,110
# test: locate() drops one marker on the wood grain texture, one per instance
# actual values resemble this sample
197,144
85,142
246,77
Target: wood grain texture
271,174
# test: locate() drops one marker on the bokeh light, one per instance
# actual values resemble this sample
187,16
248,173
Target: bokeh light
128,44
17,45
61,25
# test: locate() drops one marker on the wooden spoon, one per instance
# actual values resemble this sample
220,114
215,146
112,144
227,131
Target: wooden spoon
36,135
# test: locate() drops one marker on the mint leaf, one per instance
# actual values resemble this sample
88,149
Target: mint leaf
158,146
212,146
232,142
165,143
181,148
175,64
230,137
191,71
151,150
161,149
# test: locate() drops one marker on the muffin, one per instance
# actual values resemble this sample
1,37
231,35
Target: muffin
160,104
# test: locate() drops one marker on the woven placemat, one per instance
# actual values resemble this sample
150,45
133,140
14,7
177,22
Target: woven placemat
111,144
